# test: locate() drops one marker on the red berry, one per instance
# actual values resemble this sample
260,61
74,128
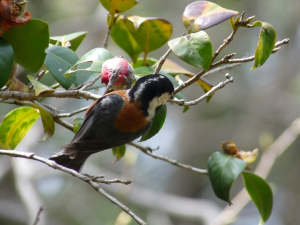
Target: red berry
112,65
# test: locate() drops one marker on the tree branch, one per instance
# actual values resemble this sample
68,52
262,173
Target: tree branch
56,94
86,179
147,151
37,219
162,61
211,91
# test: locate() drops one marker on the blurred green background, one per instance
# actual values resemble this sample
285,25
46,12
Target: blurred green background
252,112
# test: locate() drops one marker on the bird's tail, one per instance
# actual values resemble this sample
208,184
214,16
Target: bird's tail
73,161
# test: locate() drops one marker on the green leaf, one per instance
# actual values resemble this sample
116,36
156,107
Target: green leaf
39,87
149,62
143,71
29,43
223,169
266,43
260,193
75,39
195,49
58,61
136,34
47,120
77,124
6,61
201,15
157,123
151,33
118,6
88,64
118,152
15,126
123,34
173,68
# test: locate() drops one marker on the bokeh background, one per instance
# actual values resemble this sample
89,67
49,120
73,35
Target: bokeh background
253,112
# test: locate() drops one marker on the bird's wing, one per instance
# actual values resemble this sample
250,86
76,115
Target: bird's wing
98,132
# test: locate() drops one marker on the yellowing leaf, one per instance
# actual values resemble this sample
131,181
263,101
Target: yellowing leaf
201,15
47,120
118,6
39,87
15,126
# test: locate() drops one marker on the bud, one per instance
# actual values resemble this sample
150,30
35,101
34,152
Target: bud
229,148
125,76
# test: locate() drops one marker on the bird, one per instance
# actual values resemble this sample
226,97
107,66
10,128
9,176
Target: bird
116,118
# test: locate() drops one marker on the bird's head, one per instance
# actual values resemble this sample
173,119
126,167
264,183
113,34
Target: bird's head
151,92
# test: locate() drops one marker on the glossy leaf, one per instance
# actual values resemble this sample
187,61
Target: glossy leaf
143,71
223,169
173,68
140,34
123,34
201,15
157,123
75,39
58,61
77,124
266,43
29,43
151,33
118,152
149,61
15,126
118,6
6,61
260,193
88,64
194,49
47,120
39,87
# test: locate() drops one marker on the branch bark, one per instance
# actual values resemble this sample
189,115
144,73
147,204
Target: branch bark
94,184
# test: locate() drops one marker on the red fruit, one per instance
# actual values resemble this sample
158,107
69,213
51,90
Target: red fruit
111,66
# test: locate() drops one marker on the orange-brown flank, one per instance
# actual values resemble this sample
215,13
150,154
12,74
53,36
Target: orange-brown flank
130,118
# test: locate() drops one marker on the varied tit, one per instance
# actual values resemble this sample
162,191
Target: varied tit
116,119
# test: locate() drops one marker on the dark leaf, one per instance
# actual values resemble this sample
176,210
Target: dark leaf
6,61
29,43
260,193
223,169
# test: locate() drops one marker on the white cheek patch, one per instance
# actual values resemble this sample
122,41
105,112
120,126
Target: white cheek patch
158,101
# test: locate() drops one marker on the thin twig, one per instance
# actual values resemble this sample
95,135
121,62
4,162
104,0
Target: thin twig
94,184
162,61
148,150
211,91
221,68
61,115
91,82
105,41
225,60
56,94
37,77
37,218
